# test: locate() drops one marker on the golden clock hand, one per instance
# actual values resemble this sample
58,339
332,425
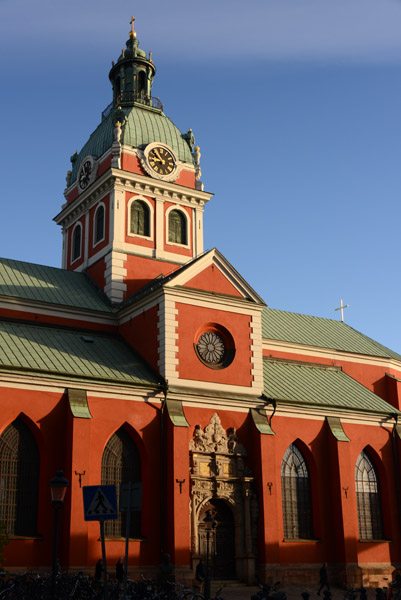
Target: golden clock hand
158,154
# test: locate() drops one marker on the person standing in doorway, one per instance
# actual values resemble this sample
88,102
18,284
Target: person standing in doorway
120,570
323,578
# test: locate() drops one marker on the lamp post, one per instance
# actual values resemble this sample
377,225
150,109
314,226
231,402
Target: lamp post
58,488
209,525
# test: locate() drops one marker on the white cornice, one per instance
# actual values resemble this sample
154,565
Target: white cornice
213,387
132,182
330,354
58,385
319,414
206,299
51,310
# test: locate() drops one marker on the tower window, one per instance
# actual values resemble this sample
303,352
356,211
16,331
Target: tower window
142,83
296,496
76,242
99,224
177,227
121,464
368,500
140,218
19,472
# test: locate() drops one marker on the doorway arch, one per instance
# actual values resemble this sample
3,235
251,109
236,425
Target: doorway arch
221,539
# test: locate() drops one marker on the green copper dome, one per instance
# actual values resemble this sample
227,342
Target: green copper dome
141,126
141,115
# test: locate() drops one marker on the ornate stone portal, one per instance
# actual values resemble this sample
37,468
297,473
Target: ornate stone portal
219,474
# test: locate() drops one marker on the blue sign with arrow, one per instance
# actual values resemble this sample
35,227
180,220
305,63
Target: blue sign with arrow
100,502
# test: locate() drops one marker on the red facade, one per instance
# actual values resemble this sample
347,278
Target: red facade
292,444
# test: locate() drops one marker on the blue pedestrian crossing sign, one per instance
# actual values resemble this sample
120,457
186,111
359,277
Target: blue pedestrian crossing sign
100,502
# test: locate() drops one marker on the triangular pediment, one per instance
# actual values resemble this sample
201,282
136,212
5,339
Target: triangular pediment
212,273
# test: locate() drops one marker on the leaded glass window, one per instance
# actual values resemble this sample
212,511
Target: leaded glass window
177,227
76,242
296,495
99,224
19,479
140,218
121,464
370,515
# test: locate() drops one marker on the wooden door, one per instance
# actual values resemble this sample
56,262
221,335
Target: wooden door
221,540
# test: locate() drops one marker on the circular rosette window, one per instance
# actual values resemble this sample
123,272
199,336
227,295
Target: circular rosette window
214,346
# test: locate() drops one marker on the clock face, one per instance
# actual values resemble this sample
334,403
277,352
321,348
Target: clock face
211,347
85,174
161,160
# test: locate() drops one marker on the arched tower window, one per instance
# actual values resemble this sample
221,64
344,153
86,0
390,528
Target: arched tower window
140,218
368,500
118,88
19,473
121,464
141,83
177,227
76,242
99,224
296,496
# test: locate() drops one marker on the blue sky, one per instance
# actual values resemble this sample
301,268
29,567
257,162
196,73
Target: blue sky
295,105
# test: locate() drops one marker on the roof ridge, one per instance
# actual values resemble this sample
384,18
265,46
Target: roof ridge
290,312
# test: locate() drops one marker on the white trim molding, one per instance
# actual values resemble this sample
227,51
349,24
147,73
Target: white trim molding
130,202
180,209
76,258
94,243
115,276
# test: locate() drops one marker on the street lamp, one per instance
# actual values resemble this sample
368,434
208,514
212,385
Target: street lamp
209,525
58,488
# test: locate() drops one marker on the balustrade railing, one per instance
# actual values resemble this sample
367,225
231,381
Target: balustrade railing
133,97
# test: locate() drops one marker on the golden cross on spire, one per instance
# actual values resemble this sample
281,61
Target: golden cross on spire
132,32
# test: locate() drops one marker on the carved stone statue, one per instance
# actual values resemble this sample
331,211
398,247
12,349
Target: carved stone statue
215,439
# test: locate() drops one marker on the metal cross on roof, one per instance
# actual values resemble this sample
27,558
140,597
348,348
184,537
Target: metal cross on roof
132,25
341,307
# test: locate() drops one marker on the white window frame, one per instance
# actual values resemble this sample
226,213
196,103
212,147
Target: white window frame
187,220
94,225
77,224
151,218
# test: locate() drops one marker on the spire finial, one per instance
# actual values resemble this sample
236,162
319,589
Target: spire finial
132,33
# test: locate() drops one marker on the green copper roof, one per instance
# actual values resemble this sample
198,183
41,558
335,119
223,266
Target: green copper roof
142,126
48,284
320,387
49,351
322,333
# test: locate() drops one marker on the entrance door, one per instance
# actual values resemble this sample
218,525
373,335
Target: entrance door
221,540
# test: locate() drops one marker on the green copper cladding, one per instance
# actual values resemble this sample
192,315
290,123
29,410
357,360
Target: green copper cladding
319,332
315,386
132,75
140,114
60,353
39,283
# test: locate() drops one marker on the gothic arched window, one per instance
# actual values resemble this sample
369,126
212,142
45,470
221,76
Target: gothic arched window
140,218
368,501
76,242
296,495
99,224
19,479
121,464
177,227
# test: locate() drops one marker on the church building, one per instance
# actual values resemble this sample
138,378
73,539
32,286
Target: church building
146,359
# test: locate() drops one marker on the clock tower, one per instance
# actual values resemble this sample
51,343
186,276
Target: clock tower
134,197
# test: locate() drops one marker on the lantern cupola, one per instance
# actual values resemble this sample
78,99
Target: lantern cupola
132,76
